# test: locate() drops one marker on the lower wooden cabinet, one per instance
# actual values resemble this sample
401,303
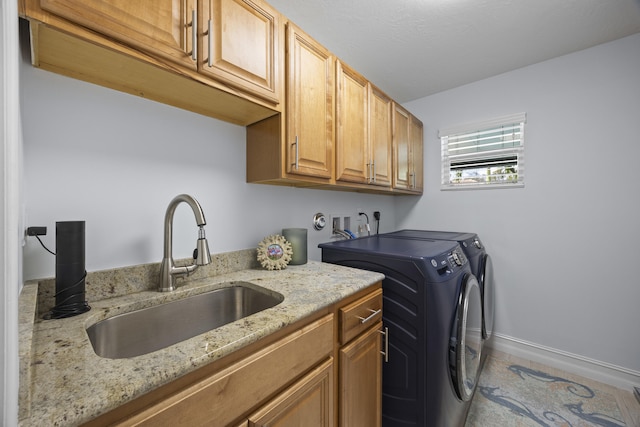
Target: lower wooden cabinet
360,362
309,402
360,380
323,371
219,398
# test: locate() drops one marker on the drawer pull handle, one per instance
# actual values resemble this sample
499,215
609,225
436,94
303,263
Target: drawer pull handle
373,175
373,314
194,34
295,164
210,42
385,353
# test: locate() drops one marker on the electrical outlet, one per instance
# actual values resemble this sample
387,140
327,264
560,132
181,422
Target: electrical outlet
347,223
36,231
335,223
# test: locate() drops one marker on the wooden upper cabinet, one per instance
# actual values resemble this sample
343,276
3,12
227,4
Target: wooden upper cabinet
310,86
401,153
363,130
416,137
313,121
159,27
242,45
352,125
407,151
380,137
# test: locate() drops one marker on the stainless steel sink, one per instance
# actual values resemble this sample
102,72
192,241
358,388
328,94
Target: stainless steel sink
146,330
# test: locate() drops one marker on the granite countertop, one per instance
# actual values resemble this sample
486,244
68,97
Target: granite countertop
62,380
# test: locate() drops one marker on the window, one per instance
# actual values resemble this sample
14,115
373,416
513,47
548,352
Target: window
489,154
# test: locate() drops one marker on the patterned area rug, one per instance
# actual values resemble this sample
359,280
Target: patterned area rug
513,395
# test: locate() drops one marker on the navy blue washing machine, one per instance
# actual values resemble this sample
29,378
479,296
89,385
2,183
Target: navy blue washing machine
432,307
480,261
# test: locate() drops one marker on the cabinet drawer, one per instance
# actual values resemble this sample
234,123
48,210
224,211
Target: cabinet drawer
360,315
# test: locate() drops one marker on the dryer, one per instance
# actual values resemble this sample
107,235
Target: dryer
480,261
432,307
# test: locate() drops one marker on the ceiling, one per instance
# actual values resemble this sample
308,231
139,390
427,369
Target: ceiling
414,48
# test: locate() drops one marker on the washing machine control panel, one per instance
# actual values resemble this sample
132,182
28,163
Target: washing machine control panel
448,263
456,258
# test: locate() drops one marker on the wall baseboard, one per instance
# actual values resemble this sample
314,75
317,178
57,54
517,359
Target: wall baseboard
607,373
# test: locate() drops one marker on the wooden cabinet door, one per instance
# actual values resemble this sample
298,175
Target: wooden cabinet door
309,402
224,396
417,155
310,80
401,148
160,27
361,381
352,125
241,45
380,137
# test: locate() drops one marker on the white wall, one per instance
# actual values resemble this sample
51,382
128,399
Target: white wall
116,161
10,230
565,247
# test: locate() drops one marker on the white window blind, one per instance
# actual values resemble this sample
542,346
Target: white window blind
485,154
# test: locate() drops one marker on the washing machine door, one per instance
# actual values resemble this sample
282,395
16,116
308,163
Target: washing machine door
466,341
486,286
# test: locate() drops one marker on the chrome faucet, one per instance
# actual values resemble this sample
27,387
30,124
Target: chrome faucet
201,254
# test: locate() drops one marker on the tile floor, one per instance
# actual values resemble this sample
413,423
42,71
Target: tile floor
626,401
